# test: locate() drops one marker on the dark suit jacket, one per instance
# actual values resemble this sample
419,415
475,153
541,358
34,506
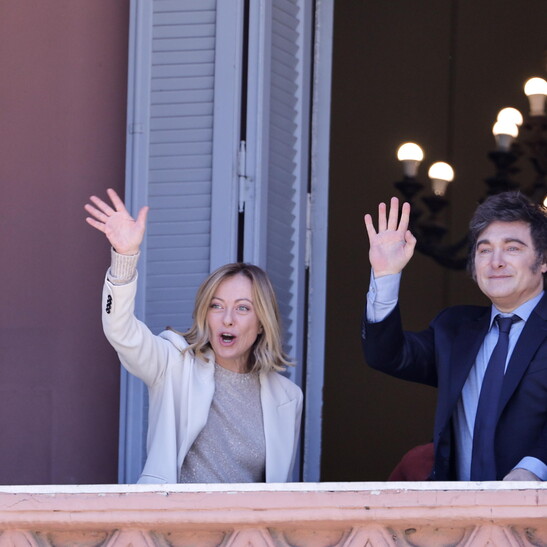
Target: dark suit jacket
443,355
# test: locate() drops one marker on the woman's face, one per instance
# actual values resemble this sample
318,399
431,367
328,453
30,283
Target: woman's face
232,323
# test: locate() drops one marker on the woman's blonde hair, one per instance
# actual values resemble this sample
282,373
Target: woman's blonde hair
267,352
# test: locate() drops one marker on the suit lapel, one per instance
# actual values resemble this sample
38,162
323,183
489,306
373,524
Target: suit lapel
532,336
278,411
467,343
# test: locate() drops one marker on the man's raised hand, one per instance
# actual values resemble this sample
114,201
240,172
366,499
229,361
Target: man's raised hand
124,233
392,246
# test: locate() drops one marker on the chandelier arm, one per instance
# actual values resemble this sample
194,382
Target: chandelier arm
449,256
443,256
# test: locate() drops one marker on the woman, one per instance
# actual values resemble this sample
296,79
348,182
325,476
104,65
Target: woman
218,409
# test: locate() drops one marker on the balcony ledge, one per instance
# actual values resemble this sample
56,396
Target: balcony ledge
345,514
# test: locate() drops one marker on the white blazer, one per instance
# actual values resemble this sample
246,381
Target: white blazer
181,389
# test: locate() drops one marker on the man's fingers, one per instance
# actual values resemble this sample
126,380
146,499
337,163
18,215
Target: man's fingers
409,238
393,214
410,243
369,225
390,222
405,217
382,218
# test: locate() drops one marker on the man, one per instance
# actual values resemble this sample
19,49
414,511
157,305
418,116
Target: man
484,430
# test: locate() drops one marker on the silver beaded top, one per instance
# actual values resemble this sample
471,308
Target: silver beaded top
231,447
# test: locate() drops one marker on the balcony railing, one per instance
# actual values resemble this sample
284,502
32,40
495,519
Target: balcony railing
303,514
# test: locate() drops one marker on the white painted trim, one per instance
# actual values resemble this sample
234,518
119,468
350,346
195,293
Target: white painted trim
320,144
258,124
370,487
226,132
300,314
133,393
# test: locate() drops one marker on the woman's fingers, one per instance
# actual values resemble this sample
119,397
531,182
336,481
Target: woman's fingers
102,211
116,200
98,225
141,217
102,205
95,224
123,232
99,215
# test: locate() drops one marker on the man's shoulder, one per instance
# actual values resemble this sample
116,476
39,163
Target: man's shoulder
541,308
462,313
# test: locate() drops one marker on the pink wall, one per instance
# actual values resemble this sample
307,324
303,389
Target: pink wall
63,71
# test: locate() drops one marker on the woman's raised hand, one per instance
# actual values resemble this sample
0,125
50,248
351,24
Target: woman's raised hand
124,233
392,246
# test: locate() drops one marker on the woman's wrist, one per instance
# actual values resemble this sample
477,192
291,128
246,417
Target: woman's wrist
127,252
123,267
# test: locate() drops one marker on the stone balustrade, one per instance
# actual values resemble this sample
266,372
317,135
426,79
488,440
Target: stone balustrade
299,514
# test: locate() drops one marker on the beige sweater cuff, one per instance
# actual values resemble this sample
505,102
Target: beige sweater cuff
123,268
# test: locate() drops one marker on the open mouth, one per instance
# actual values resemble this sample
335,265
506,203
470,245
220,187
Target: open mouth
227,338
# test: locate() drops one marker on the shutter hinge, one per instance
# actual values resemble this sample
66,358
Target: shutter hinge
136,128
307,260
242,175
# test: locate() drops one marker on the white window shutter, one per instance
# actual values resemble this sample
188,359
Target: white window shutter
278,112
176,69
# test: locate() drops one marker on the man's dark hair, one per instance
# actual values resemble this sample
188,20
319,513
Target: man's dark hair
509,207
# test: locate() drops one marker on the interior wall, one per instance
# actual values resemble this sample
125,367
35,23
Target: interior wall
435,73
63,66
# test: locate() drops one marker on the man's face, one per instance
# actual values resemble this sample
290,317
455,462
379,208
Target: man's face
506,265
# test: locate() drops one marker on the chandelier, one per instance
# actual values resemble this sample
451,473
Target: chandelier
427,224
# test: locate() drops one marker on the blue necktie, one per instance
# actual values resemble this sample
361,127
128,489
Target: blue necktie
483,462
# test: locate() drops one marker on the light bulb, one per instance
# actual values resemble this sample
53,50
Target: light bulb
441,174
536,90
410,151
505,132
442,171
410,155
505,128
535,86
511,115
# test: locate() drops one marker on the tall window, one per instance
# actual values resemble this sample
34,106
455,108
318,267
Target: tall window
219,147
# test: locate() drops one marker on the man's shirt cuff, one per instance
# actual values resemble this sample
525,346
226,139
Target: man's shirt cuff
382,296
535,466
